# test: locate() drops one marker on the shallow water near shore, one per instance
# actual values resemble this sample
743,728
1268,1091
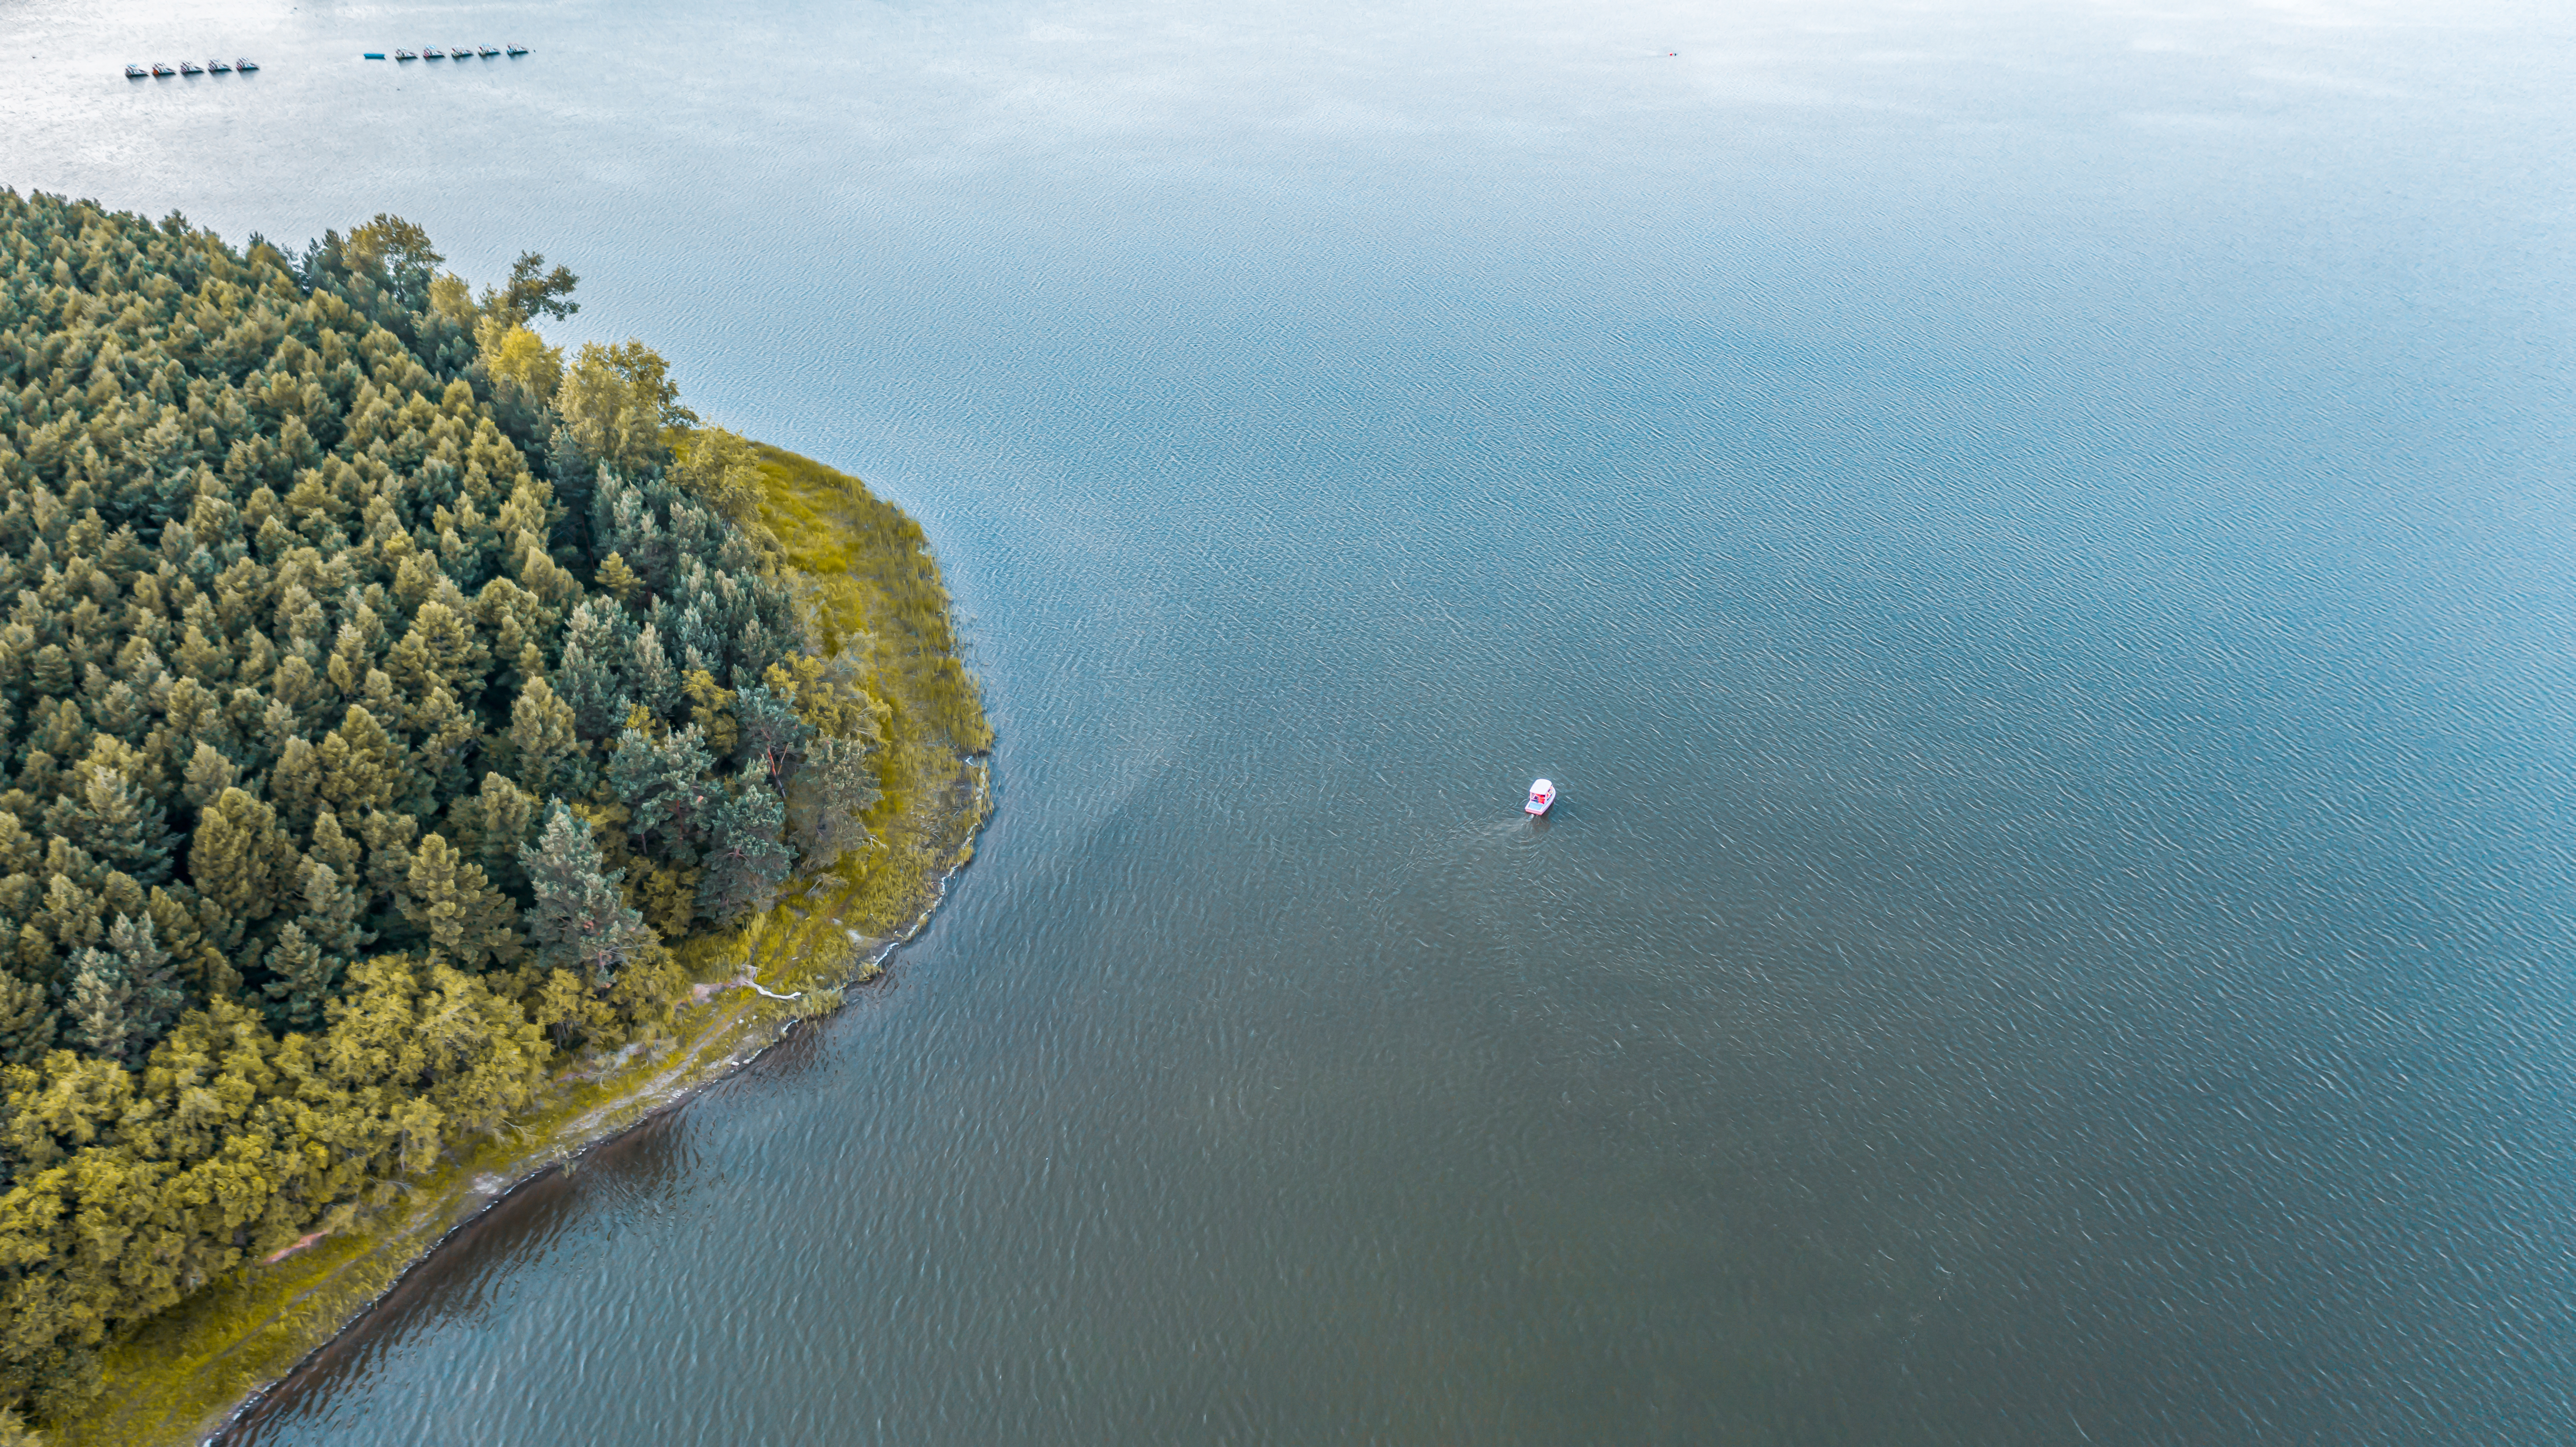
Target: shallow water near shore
2034,541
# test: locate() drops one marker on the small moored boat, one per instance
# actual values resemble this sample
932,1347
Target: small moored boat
406,55
518,50
487,50
159,69
245,65
190,67
218,67
374,55
1542,798
135,72
432,52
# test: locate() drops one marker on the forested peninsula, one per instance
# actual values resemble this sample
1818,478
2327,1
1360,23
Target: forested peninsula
420,752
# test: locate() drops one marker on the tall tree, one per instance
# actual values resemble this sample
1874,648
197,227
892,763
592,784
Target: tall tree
101,1006
157,995
333,846
836,785
118,824
533,291
452,902
525,371
398,253
328,911
304,981
362,766
772,739
26,1022
209,774
721,467
504,816
616,401
651,680
581,920
541,745
665,783
588,677
240,858
745,861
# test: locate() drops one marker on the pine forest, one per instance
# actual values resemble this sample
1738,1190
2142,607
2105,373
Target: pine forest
385,698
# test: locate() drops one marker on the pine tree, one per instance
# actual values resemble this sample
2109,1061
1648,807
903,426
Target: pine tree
453,903
618,580
439,645
362,767
389,839
541,744
209,774
120,825
711,708
597,639
61,731
53,672
580,920
836,786
295,784
26,1022
665,784
183,928
19,852
305,981
772,740
240,858
333,846
533,291
505,816
115,708
574,471
651,680
446,732
328,910
156,998
101,1005
745,861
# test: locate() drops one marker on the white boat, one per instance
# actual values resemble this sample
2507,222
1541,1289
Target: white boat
1542,798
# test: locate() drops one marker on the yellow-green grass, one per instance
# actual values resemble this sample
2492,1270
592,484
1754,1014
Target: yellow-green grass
875,587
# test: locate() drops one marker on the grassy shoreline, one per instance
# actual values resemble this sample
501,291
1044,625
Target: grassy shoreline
873,585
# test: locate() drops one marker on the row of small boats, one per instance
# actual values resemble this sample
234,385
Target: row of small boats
190,67
458,52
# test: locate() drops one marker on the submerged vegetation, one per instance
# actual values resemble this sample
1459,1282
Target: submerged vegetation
394,714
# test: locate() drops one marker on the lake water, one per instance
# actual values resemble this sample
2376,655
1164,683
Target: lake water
2036,539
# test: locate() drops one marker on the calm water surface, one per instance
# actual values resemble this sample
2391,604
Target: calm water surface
2035,537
